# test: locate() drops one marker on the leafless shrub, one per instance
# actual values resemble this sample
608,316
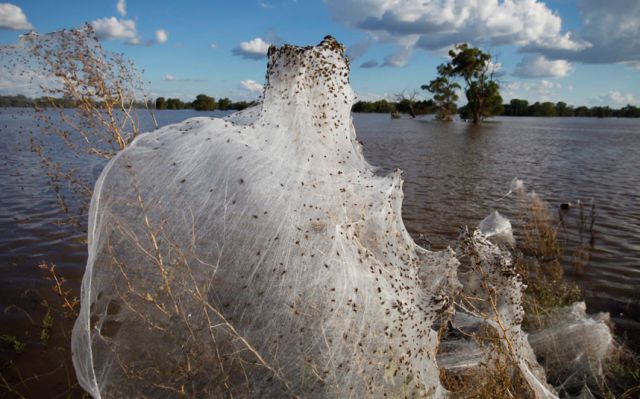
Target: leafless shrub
88,111
89,107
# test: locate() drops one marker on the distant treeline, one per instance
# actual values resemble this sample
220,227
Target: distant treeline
518,107
515,107
21,101
201,103
404,106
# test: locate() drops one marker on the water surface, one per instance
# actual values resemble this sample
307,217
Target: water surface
455,173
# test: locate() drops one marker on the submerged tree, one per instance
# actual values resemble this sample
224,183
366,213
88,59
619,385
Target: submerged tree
475,68
444,95
406,102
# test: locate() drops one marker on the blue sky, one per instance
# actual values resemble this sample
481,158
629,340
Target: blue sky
578,51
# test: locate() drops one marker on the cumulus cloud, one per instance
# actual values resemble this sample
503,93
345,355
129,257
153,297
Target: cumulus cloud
369,64
496,69
168,77
543,90
254,49
16,78
213,46
162,36
435,24
611,28
538,66
616,99
114,28
121,6
252,86
400,58
12,17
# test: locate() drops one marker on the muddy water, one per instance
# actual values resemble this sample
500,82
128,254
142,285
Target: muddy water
454,175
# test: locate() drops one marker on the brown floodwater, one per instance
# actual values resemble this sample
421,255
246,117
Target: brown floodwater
455,174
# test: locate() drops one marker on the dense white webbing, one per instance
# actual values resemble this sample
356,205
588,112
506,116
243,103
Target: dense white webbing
260,256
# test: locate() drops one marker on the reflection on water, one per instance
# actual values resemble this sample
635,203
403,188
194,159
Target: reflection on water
454,174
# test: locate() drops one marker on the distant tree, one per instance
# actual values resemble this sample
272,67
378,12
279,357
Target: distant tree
204,103
474,67
444,96
175,103
517,107
406,102
383,107
629,111
363,106
562,109
425,107
582,111
161,103
601,112
224,103
240,105
547,108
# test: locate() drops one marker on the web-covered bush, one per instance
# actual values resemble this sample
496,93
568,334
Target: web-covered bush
260,256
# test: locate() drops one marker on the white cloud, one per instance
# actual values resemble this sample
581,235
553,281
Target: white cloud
611,27
16,78
121,6
496,69
114,28
213,46
538,66
616,98
434,24
254,49
162,36
252,86
12,17
543,90
614,28
400,58
622,98
171,78
265,5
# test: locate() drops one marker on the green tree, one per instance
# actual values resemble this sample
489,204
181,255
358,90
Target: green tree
582,111
562,109
629,111
161,103
174,103
383,107
444,96
518,107
601,112
474,67
224,103
547,108
204,103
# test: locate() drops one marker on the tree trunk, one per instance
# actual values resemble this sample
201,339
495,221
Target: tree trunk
476,117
